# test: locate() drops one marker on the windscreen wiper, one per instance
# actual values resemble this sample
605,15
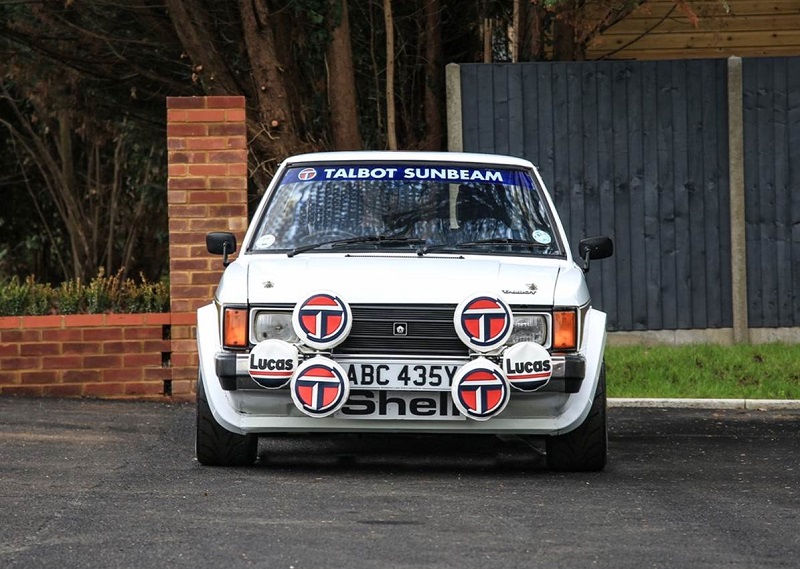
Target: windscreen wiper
492,241
377,239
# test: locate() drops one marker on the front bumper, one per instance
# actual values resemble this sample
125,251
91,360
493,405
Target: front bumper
231,369
260,410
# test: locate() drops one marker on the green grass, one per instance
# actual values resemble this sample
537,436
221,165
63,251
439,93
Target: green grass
765,371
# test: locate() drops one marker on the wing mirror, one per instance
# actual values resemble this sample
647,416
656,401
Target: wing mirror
595,248
221,243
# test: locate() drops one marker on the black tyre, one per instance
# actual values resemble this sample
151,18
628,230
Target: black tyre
585,448
217,446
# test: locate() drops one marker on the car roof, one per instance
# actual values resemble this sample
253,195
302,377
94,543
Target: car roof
403,156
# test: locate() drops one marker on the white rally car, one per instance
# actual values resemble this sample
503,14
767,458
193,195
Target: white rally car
403,292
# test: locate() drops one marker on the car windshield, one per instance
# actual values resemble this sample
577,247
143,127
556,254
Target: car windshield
437,207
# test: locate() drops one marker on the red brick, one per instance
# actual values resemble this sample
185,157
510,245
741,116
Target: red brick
114,348
40,349
177,251
84,320
205,277
124,319
9,377
159,318
143,333
102,362
184,359
176,144
177,169
141,360
207,143
186,129
232,210
102,334
180,305
186,239
183,387
11,336
81,376
145,388
177,197
125,374
206,115
207,197
228,129
63,390
9,350
63,334
82,348
186,102
208,170
179,278
204,225
235,115
181,210
38,377
159,346
228,183
41,321
186,184
7,364
225,102
237,169
22,390
191,265
236,142
104,389
200,157
174,115
10,322
62,362
228,156
156,373
184,318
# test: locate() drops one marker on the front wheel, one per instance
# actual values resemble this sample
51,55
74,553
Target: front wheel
584,449
216,445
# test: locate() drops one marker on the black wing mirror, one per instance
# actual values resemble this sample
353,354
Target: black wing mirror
595,248
221,243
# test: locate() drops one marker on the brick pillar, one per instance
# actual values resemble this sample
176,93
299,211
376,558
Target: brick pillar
206,139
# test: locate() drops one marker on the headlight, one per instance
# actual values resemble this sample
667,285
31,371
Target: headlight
528,328
274,326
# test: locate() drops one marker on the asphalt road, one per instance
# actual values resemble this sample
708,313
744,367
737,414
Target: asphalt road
110,484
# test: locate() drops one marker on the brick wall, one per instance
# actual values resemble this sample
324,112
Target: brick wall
92,355
207,191
148,356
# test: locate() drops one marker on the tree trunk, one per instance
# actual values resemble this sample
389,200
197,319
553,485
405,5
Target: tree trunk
433,102
391,114
278,135
342,83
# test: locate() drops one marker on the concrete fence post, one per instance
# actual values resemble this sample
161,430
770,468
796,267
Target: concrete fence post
741,332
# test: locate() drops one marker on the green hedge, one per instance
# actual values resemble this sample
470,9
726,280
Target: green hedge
103,294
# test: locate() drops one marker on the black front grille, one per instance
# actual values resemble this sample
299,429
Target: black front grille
428,330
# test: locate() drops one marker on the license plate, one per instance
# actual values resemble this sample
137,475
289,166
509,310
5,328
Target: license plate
416,405
413,376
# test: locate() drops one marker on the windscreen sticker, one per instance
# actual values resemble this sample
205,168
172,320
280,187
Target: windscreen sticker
415,173
265,241
542,237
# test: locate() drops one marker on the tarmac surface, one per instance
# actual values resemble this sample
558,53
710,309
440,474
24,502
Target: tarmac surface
87,483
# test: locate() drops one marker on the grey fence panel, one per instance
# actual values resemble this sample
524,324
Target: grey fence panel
634,150
771,100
